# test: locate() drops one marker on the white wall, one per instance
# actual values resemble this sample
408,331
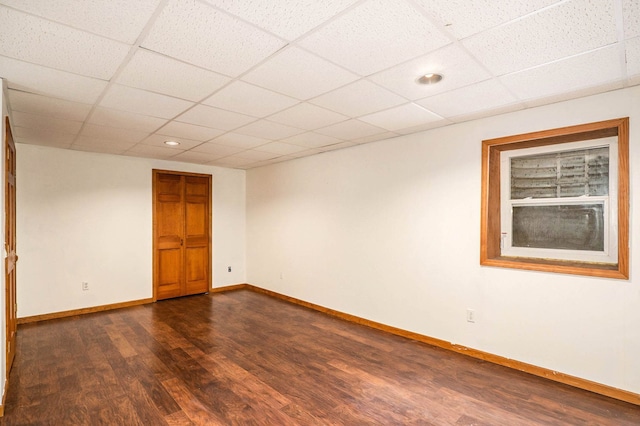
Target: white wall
88,217
390,231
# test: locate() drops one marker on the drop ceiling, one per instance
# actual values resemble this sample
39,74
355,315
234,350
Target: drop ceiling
245,83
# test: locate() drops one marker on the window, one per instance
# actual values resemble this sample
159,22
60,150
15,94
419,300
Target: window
558,200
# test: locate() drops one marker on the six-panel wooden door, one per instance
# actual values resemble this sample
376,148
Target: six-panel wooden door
10,246
181,234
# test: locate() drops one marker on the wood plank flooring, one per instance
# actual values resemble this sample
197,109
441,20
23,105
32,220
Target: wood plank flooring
248,359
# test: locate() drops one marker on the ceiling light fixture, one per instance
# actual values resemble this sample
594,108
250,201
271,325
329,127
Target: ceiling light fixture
431,78
172,143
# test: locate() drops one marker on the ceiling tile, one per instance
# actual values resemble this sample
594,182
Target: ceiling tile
254,155
126,120
359,98
240,141
464,18
567,29
374,138
376,35
55,125
288,19
631,18
232,161
269,130
457,67
51,107
158,73
159,140
151,151
119,20
486,95
203,36
241,97
350,129
102,149
47,81
207,116
568,75
136,100
311,140
280,148
297,73
43,42
217,150
189,131
307,116
42,136
195,157
407,115
104,145
112,133
633,60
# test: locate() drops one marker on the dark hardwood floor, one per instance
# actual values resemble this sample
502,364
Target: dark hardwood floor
246,358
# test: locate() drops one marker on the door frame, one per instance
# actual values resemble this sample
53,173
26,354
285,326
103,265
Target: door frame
155,173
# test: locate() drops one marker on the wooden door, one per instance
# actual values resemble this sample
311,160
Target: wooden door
10,245
181,234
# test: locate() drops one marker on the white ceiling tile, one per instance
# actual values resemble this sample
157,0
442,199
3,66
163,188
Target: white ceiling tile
232,161
42,136
47,81
254,155
567,29
456,66
568,75
463,18
189,131
136,100
240,141
109,145
249,99
307,116
376,35
112,133
43,105
359,98
55,125
203,36
407,115
311,140
300,74
47,43
374,138
159,140
151,151
121,20
126,120
633,60
269,130
207,116
350,129
280,148
631,18
288,19
486,95
158,73
217,150
195,157
102,149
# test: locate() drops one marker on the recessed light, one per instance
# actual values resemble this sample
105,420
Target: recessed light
172,143
431,78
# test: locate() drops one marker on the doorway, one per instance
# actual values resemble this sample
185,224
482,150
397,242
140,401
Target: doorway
181,234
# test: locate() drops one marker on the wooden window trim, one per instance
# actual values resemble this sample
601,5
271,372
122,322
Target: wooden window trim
490,204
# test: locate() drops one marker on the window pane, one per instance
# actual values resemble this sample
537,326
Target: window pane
561,174
567,227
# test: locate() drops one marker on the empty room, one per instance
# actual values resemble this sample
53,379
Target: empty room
343,212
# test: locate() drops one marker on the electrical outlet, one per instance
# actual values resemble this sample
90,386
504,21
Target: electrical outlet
85,286
471,315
